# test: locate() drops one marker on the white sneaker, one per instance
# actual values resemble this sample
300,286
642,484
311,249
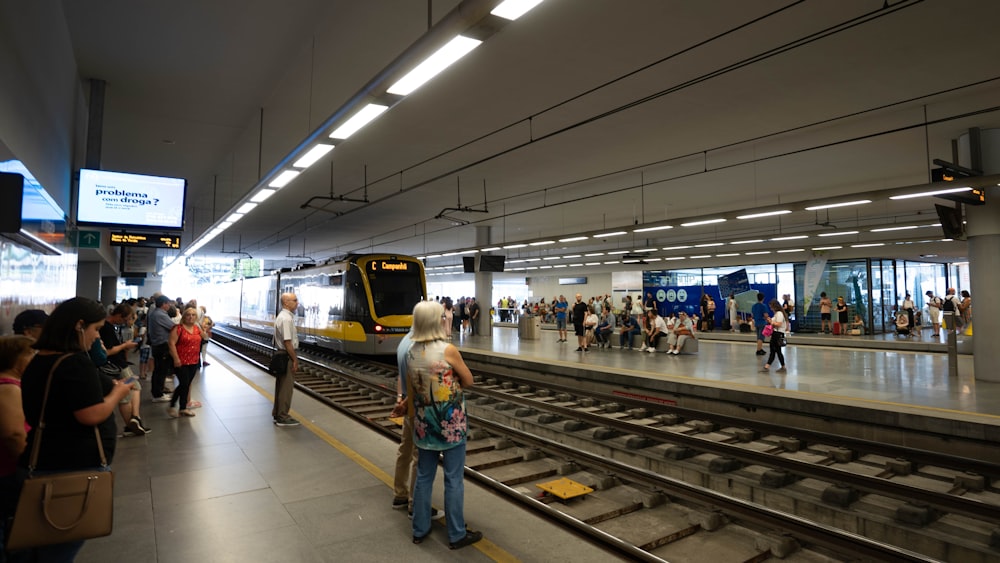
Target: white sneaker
651,350
643,348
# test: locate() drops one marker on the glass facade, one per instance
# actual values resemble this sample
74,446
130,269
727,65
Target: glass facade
872,288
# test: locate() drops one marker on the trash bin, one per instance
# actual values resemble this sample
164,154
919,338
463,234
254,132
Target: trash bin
529,327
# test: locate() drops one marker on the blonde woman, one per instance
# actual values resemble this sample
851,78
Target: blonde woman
185,346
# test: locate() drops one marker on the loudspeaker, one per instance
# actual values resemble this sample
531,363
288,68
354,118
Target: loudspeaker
11,196
469,264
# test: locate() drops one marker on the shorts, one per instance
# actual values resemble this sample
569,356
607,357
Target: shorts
578,329
561,324
127,373
825,316
144,353
760,331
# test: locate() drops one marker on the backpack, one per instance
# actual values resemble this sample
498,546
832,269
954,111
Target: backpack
949,304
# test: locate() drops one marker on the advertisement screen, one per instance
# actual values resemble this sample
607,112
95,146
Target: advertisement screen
117,198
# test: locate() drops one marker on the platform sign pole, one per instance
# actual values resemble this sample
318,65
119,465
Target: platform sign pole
952,339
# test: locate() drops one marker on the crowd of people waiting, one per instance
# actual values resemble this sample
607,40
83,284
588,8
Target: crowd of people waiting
90,352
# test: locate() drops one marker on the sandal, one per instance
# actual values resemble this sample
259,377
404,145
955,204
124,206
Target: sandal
186,412
194,405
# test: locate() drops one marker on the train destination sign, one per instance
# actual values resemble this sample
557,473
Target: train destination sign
390,266
148,241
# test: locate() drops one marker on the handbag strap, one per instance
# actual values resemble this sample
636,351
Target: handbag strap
37,443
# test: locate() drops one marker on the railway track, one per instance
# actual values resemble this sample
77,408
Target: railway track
668,484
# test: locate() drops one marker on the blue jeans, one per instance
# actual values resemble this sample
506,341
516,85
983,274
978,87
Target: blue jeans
454,491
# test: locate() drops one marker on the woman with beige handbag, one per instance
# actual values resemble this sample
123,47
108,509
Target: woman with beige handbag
66,497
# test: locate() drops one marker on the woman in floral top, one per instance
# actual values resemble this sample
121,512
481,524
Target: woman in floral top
436,376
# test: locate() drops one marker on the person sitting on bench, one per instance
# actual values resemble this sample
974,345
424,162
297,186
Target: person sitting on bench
683,330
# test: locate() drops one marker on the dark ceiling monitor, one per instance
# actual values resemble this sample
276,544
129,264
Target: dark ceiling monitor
11,196
951,221
491,263
121,199
469,264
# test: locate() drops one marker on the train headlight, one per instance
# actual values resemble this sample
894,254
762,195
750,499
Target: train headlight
378,328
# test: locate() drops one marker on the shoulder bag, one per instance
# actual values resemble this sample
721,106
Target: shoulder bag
62,507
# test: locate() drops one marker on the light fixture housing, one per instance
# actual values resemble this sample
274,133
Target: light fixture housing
434,64
765,214
650,229
283,179
314,154
841,204
933,193
262,195
359,120
705,222
513,9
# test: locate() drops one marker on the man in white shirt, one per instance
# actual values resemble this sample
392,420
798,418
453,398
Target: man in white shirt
657,328
286,340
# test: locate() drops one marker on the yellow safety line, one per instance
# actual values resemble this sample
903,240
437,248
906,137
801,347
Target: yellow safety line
488,548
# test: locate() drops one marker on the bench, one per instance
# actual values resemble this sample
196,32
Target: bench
690,345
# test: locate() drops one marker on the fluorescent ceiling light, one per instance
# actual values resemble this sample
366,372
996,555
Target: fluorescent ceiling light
675,258
706,222
645,250
648,229
843,204
432,65
791,250
757,252
572,256
571,239
791,237
314,154
887,229
575,265
935,192
559,266
513,9
702,256
612,262
283,179
595,254
514,246
827,247
246,207
360,119
708,244
727,255
542,243
614,234
532,259
837,234
868,245
592,264
676,247
490,249
653,259
618,252
552,258
765,214
631,261
262,195
751,241
234,217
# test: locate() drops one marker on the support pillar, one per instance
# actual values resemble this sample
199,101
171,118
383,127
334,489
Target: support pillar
88,279
484,289
109,289
983,230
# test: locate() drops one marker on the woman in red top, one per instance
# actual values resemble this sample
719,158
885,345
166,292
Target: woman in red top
185,348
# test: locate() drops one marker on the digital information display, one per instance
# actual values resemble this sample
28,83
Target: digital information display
391,266
148,241
117,198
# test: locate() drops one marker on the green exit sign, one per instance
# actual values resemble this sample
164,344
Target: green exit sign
88,239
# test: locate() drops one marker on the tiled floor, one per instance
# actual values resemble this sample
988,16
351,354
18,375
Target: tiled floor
227,485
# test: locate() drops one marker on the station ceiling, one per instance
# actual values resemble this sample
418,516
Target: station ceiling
581,118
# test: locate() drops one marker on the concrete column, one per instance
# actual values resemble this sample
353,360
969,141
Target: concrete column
983,230
484,288
88,279
109,289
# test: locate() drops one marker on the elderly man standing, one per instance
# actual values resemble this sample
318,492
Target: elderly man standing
286,339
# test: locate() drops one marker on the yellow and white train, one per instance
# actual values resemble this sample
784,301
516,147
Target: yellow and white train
362,304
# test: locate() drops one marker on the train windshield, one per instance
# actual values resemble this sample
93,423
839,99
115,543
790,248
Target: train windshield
395,289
